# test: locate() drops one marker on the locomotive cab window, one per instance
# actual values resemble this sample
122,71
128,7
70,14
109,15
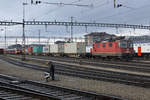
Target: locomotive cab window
123,44
130,45
103,45
110,44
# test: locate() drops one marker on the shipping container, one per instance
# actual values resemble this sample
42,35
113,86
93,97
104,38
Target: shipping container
30,50
1,51
88,48
54,48
61,48
46,50
75,48
26,50
37,50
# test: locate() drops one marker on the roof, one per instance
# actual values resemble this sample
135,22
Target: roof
99,34
140,39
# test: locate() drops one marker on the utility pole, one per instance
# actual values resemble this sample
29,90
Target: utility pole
72,29
23,35
114,3
117,31
149,26
39,36
16,41
5,38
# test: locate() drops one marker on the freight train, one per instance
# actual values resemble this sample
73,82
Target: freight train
104,49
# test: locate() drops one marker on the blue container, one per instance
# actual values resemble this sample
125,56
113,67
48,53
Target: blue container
38,49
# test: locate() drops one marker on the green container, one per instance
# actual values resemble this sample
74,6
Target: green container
37,49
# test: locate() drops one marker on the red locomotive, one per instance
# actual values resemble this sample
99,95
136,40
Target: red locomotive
113,48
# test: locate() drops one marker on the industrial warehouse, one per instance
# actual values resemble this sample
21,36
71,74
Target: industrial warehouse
74,50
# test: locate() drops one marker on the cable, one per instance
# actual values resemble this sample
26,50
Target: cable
122,13
55,9
143,18
94,7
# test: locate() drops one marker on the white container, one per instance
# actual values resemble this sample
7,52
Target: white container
61,48
88,49
46,49
26,50
74,48
54,48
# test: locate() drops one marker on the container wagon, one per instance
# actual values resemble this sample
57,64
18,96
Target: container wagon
76,49
88,51
61,49
37,50
46,50
54,50
30,50
1,51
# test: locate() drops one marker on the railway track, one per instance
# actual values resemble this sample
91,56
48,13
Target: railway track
10,90
120,77
131,66
9,93
9,84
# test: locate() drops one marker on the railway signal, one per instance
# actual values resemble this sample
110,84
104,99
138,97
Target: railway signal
117,5
36,2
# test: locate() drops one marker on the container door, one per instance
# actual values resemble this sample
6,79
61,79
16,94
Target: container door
139,51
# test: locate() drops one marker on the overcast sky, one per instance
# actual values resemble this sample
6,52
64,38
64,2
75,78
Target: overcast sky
132,12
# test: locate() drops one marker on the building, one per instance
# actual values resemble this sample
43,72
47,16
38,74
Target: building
97,36
140,39
16,46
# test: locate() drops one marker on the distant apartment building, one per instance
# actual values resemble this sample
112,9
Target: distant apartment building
96,37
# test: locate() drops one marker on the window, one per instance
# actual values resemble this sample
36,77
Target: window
123,44
110,44
98,45
103,45
130,45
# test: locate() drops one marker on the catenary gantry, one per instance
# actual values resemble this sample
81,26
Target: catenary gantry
86,24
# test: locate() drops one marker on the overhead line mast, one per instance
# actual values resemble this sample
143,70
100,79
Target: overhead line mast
114,3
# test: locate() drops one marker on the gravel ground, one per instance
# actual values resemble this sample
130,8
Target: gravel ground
120,90
94,67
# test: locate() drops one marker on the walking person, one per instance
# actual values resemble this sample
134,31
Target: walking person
51,70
